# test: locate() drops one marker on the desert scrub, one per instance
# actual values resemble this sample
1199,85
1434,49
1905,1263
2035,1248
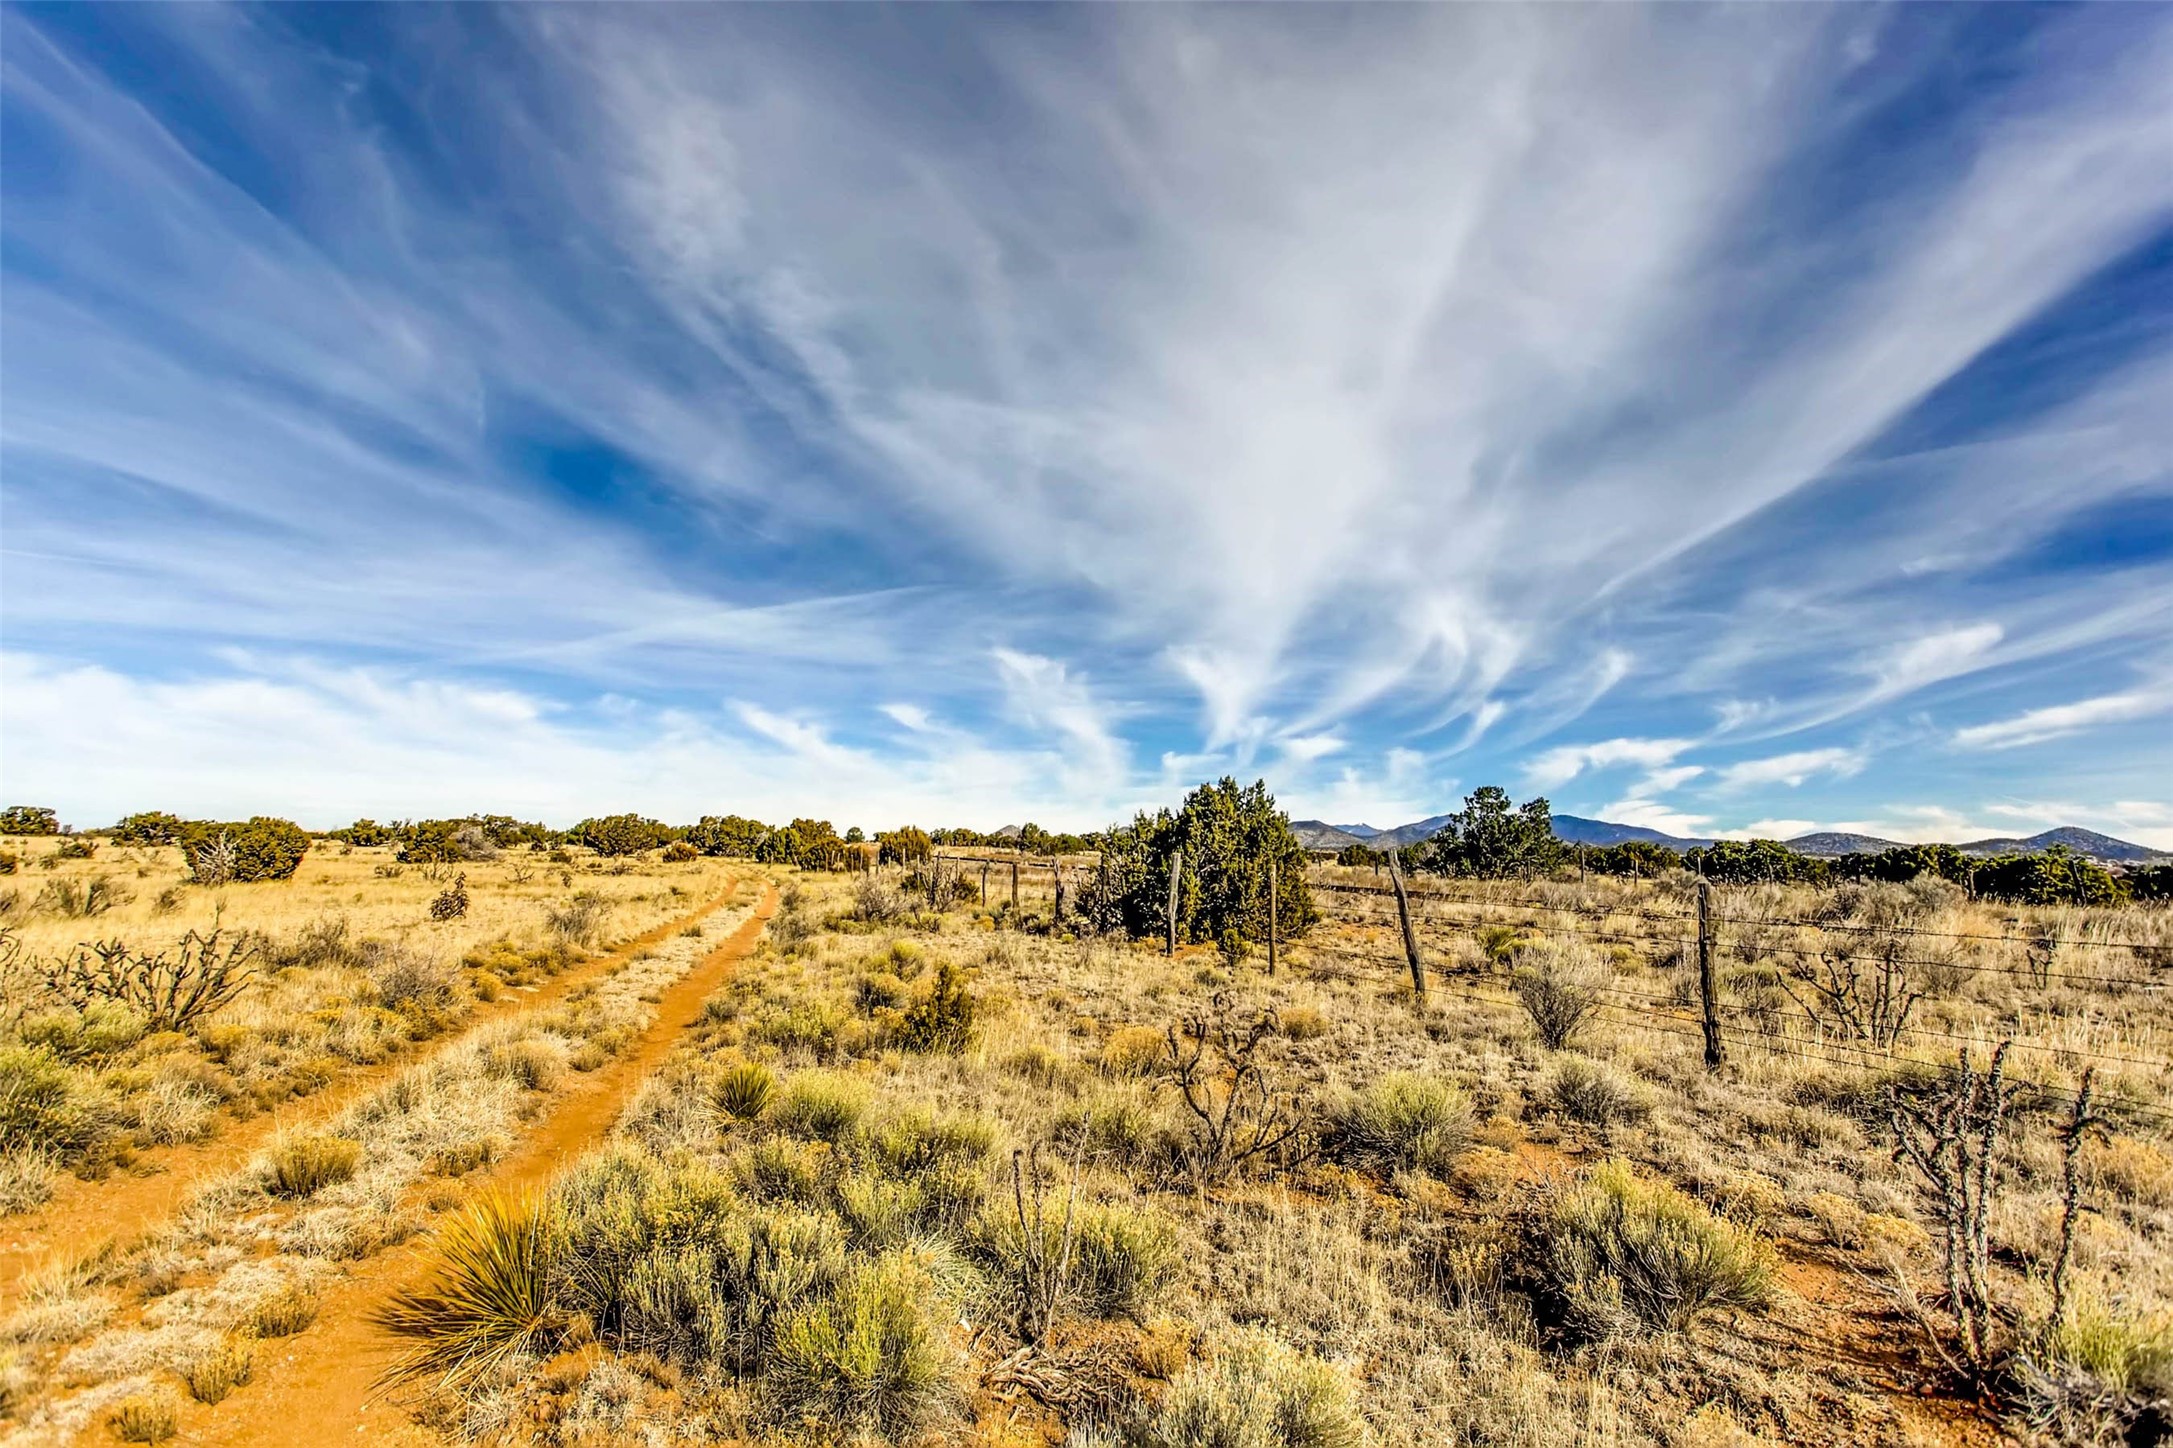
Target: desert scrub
942,1020
1613,1254
1596,1095
225,1366
1255,1392
871,1358
49,1106
1559,985
1116,1258
145,1418
1402,1122
819,1106
302,1166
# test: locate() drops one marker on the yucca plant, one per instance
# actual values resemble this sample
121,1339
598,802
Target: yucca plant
492,1298
744,1090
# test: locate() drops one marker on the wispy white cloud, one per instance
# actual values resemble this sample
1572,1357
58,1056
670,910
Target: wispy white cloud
1792,769
1560,765
2057,721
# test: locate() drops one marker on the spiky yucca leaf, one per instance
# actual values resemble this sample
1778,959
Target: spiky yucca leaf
492,1298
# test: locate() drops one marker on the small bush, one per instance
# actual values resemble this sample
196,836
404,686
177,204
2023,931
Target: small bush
678,852
26,1180
580,921
1616,1254
412,984
1109,1125
819,1106
145,1418
942,1020
492,1299
1588,1092
228,1365
879,990
1303,1023
1401,1122
46,1105
1132,1051
1560,988
744,1089
283,1314
302,1166
1256,1392
81,899
1122,1256
810,1026
869,1360
451,902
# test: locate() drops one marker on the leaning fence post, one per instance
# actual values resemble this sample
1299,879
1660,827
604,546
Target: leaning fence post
1271,914
984,884
1716,1051
1176,874
1410,938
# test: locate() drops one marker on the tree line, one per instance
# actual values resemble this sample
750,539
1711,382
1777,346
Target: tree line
1491,838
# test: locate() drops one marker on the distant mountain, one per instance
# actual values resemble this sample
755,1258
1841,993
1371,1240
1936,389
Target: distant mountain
1409,834
2082,842
1574,830
1009,832
1364,832
1839,842
1315,835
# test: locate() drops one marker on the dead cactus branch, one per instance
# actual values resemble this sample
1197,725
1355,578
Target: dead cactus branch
171,989
1237,1113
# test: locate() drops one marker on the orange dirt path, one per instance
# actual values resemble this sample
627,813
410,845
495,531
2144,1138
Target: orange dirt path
319,1387
83,1214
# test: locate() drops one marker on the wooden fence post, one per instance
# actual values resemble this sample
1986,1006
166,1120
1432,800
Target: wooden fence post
1014,887
1058,867
1271,914
1716,1050
984,884
1176,874
1410,937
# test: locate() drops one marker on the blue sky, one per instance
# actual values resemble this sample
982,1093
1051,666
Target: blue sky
1747,419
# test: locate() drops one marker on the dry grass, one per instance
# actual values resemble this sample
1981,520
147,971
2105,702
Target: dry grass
806,1231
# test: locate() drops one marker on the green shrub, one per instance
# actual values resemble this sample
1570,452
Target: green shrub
1110,1125
678,852
879,990
492,1297
820,1106
622,834
261,848
98,1029
665,1259
47,1105
916,1142
942,1020
1401,1122
302,1166
1256,1392
1122,1256
28,819
1588,1092
1615,1254
870,1359
810,1026
786,1171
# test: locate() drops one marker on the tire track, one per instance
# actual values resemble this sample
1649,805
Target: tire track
318,1387
84,1214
